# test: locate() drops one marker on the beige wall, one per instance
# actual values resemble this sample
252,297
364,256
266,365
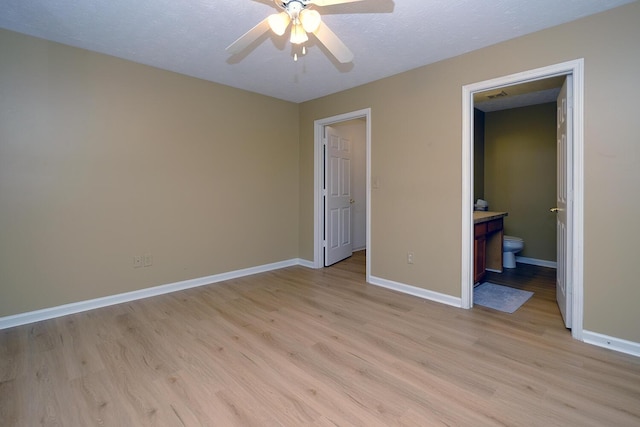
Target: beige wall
416,154
102,159
520,175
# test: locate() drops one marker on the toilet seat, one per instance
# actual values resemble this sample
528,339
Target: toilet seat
512,238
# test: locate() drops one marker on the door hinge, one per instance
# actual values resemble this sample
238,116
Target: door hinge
324,243
324,192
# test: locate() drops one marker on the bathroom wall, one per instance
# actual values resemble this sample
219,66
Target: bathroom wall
520,174
478,154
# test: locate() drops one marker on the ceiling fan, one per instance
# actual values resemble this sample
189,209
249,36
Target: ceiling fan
303,20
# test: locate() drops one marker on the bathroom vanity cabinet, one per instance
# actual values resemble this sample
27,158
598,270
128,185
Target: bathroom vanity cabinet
487,243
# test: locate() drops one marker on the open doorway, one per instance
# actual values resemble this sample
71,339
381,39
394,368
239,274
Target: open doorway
573,162
345,196
320,132
515,171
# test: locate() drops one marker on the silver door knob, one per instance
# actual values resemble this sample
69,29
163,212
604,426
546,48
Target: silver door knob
352,201
555,210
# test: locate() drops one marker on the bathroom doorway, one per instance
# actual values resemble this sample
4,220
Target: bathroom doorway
574,163
515,162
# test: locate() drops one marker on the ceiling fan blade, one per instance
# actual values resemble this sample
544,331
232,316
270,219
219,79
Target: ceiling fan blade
329,39
249,37
330,2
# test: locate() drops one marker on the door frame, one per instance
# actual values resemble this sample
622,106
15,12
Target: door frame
318,184
575,221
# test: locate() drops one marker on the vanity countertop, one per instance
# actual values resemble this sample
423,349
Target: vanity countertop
484,216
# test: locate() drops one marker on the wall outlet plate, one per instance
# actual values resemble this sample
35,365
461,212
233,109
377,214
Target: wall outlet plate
137,261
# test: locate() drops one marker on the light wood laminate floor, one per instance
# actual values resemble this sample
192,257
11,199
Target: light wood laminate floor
299,347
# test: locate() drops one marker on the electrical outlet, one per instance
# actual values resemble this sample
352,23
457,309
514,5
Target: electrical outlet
137,261
409,257
148,260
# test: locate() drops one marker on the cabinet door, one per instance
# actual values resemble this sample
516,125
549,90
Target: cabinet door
479,251
495,225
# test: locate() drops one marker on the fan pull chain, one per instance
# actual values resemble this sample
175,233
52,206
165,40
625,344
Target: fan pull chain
304,52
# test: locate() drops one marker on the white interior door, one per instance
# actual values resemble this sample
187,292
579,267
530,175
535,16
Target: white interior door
338,244
564,200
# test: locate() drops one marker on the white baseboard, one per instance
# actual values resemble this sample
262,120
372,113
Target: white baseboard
306,263
415,291
77,307
539,262
600,340
612,343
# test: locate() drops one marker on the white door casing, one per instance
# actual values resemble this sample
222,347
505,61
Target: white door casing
563,207
575,219
338,200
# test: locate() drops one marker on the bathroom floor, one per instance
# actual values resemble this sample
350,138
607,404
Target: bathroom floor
539,280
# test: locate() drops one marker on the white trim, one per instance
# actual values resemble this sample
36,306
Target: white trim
576,69
577,273
306,263
538,262
468,279
415,291
77,307
600,340
617,344
318,179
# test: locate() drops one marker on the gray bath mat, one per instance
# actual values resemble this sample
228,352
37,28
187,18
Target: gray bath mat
499,297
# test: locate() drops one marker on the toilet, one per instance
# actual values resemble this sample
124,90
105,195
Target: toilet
511,245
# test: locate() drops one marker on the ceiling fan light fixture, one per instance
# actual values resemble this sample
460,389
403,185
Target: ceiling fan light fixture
298,34
278,22
299,17
310,20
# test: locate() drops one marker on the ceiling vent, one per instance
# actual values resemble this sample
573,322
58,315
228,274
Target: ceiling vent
500,94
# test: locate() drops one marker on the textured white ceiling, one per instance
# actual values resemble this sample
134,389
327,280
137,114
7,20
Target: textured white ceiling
520,95
190,36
